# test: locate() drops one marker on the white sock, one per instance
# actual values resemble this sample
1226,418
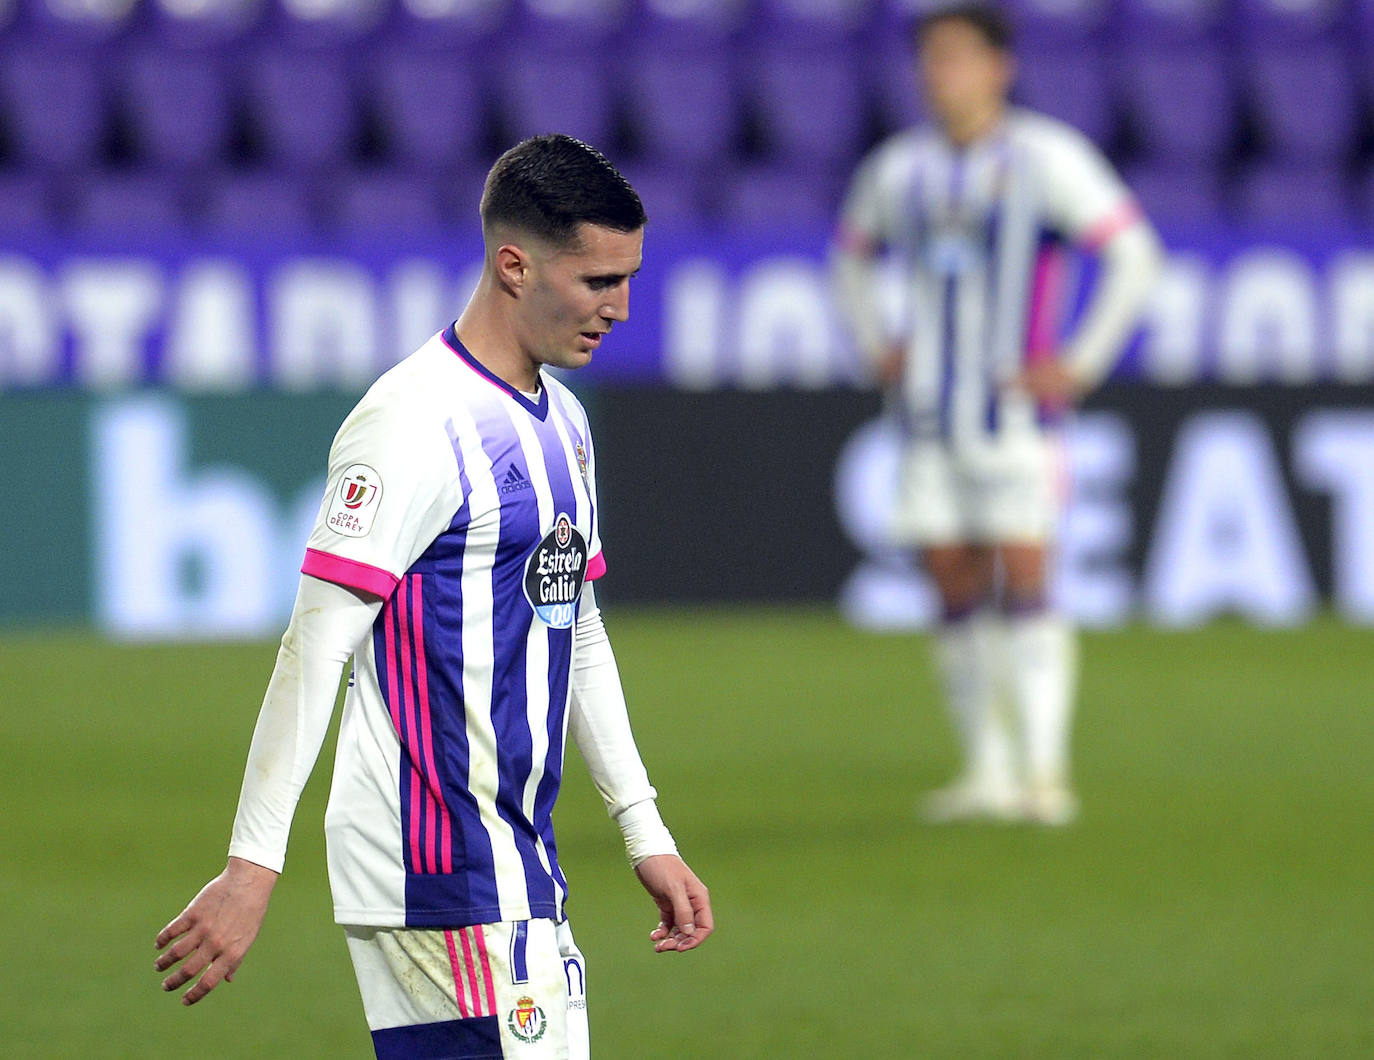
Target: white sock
969,656
1042,652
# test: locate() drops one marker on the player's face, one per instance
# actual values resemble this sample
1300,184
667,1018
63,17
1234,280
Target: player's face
578,292
961,72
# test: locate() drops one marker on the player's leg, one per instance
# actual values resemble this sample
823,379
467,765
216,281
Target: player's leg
491,990
1041,653
930,518
968,657
1042,660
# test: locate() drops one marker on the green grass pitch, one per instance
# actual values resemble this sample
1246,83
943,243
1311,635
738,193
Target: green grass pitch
1214,900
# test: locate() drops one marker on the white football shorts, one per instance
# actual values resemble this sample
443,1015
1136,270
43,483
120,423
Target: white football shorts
515,989
1008,492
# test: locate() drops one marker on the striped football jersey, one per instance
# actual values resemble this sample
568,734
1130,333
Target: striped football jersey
470,508
980,231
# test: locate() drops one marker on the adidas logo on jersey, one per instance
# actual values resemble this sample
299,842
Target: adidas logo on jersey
514,481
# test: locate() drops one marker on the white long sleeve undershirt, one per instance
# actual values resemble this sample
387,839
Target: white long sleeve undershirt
327,624
1130,263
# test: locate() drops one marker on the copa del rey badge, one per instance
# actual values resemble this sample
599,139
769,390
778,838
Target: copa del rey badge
354,504
554,573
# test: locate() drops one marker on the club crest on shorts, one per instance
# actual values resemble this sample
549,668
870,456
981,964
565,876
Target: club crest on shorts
554,573
526,1021
353,507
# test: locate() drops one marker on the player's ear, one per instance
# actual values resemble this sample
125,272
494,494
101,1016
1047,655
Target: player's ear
512,266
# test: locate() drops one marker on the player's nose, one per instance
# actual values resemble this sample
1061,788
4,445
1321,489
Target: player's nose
617,304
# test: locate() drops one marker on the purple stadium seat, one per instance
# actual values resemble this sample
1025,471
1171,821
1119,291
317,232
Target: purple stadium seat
809,103
1364,200
1057,21
1155,22
1070,84
672,195
55,105
433,112
682,104
571,20
1284,21
690,22
90,20
812,23
1362,22
323,23
131,205
1306,98
202,23
1292,194
178,106
538,96
1177,194
1181,102
245,205
385,202
772,198
25,203
301,107
447,24
892,83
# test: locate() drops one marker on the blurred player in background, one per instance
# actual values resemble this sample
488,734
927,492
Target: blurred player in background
971,203
452,559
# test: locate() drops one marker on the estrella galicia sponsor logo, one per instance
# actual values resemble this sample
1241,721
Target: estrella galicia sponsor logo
514,481
353,507
554,573
526,1021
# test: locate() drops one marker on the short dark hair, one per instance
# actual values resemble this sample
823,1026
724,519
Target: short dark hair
987,19
550,185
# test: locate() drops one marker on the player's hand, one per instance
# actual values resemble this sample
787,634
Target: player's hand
1050,380
213,933
889,367
684,905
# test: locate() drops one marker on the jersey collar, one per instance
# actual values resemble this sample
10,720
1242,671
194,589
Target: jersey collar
538,409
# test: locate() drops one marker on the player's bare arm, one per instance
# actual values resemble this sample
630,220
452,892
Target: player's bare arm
212,935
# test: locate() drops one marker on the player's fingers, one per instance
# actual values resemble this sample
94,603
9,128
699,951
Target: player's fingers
214,972
701,909
190,968
683,916
183,948
179,926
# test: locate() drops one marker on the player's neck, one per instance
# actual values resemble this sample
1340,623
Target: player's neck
964,130
495,348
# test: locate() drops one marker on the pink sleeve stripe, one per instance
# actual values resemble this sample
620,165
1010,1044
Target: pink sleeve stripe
349,572
1116,222
596,567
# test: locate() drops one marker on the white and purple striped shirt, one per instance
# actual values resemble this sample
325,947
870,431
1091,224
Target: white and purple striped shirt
470,508
980,231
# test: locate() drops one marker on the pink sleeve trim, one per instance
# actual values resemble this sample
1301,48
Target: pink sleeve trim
1116,222
349,572
596,567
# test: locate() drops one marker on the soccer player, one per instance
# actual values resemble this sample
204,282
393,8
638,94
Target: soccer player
453,559
973,204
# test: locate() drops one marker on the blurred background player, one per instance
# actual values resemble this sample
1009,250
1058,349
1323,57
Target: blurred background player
972,202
